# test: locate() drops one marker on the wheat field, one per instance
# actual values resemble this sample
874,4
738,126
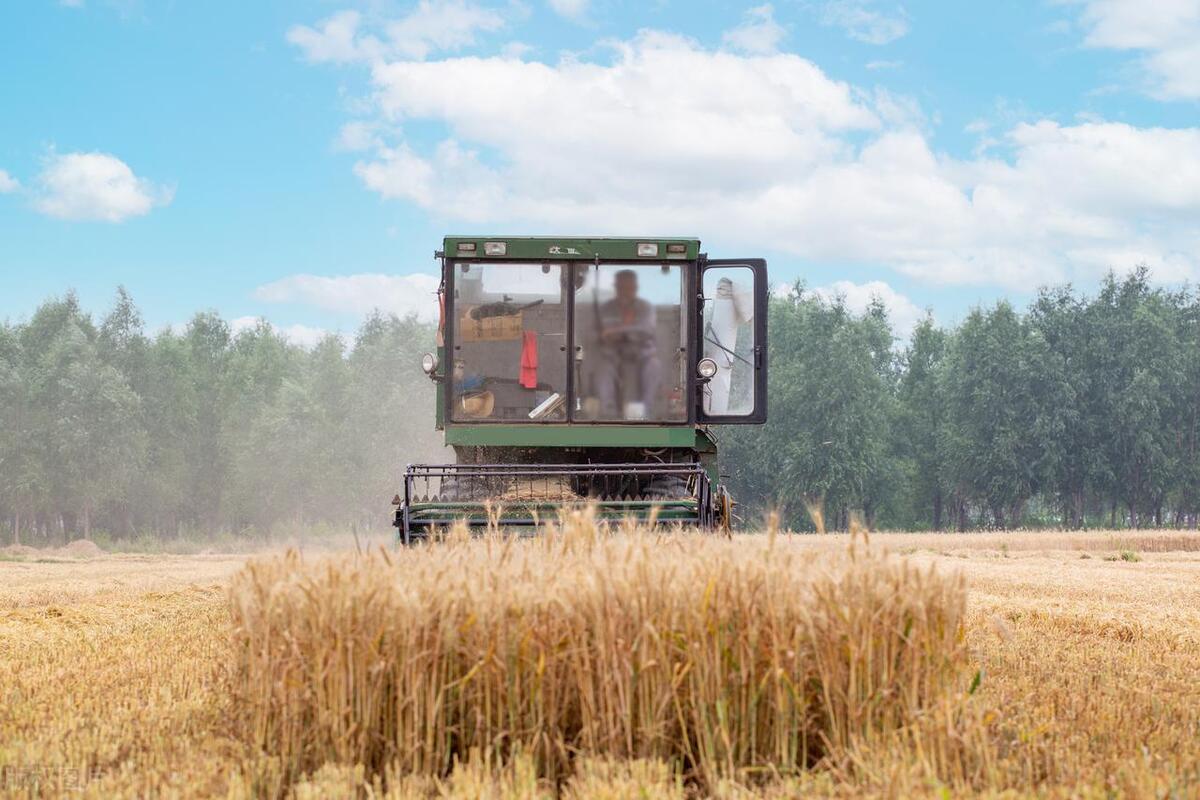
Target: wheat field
633,665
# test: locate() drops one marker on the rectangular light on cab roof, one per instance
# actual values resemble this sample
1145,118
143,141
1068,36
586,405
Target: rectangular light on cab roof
466,247
495,248
647,249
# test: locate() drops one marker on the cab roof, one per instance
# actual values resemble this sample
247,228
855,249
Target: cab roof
571,247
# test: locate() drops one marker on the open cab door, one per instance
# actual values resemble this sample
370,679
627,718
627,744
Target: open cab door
733,333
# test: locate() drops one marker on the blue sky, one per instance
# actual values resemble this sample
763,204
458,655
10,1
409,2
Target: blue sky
302,160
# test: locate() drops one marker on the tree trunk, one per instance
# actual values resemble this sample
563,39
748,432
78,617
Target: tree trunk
17,526
87,520
1133,520
1112,516
937,511
1016,513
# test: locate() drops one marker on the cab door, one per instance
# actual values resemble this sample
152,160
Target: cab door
732,323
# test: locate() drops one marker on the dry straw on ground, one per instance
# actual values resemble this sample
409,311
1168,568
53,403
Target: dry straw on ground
725,660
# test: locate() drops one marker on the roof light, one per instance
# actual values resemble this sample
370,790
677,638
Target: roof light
647,249
677,248
466,247
495,248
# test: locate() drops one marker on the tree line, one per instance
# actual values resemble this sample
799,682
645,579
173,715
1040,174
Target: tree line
106,427
1082,410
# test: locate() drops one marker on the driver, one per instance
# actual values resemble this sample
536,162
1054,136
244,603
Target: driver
628,344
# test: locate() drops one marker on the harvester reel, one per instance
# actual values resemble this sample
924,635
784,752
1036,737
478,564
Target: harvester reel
521,495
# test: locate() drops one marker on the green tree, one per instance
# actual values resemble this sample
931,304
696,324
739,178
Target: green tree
826,441
1140,367
18,472
920,421
989,445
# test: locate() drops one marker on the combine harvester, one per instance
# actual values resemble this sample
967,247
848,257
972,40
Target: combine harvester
587,370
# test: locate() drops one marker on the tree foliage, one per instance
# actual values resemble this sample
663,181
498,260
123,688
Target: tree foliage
1081,410
200,429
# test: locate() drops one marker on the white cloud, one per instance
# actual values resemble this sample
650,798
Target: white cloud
861,21
300,335
334,39
434,25
441,25
357,136
667,126
903,313
759,32
95,186
358,294
8,183
754,149
1167,32
571,9
516,50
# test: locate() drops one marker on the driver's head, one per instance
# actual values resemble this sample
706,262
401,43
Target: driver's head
627,284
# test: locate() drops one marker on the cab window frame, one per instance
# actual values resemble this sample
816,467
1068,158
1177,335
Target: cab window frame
758,269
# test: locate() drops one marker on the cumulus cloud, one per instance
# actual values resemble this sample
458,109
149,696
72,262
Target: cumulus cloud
1166,32
8,183
335,39
766,148
666,125
300,335
571,9
95,186
358,135
358,294
517,50
758,33
903,313
434,25
862,21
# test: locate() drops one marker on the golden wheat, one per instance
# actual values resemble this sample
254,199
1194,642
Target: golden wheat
724,659
114,678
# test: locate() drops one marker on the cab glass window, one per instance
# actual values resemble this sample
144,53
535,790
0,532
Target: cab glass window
728,339
630,344
509,343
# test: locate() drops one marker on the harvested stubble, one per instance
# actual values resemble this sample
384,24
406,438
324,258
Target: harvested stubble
722,659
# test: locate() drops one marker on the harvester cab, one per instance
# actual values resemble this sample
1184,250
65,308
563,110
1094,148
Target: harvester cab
587,370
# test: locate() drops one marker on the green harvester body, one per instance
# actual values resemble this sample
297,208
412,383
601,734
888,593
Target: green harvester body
559,383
